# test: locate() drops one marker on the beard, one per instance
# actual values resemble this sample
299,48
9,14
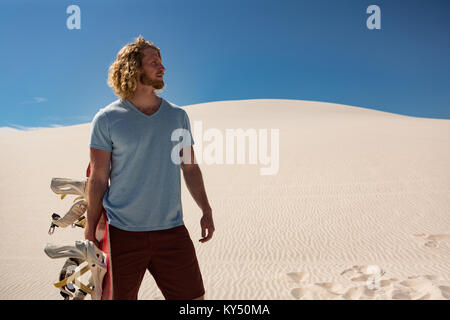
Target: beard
155,83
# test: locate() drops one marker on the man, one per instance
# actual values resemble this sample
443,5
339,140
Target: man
132,144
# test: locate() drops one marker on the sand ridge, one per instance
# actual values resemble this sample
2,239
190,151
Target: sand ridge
356,188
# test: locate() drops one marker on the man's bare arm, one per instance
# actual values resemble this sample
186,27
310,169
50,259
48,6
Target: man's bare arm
96,189
194,182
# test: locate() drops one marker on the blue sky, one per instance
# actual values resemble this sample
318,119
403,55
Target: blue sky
226,50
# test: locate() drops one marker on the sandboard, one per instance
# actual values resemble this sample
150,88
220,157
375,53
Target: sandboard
73,278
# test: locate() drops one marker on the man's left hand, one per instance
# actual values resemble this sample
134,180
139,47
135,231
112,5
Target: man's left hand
207,223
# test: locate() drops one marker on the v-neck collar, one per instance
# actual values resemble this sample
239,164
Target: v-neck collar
146,116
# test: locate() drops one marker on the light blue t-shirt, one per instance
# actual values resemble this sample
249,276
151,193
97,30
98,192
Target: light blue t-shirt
145,185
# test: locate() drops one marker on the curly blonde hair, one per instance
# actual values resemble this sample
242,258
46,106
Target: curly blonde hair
123,73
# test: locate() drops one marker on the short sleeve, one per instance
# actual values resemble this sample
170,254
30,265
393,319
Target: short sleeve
100,135
188,139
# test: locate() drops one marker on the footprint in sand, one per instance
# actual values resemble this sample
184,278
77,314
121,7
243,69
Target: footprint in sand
364,272
420,235
414,287
332,287
425,297
417,284
401,295
313,292
445,291
299,293
298,276
354,293
439,237
352,269
431,277
431,244
361,278
306,293
434,240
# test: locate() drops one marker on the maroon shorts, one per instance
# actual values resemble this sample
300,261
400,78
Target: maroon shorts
168,254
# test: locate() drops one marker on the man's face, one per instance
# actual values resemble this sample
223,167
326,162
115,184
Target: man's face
153,69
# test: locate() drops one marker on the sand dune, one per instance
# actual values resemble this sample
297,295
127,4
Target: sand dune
359,208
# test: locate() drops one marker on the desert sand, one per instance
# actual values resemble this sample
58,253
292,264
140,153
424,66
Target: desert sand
357,190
